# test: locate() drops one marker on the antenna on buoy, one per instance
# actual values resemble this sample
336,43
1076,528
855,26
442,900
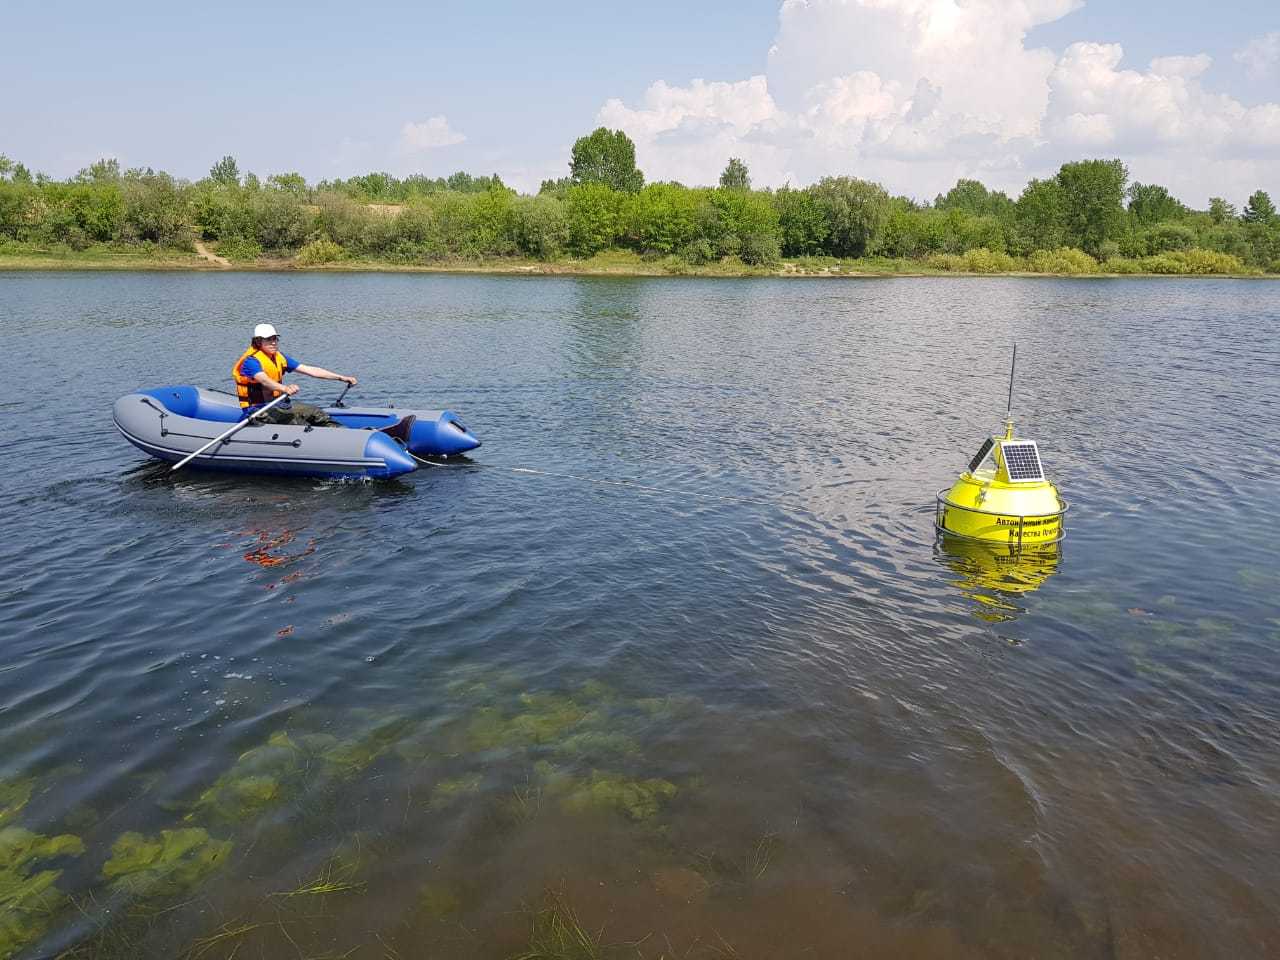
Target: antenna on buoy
1008,414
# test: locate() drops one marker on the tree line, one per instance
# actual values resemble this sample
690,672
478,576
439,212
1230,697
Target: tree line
1087,217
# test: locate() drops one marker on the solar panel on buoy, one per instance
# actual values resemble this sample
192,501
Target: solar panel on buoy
1022,461
981,455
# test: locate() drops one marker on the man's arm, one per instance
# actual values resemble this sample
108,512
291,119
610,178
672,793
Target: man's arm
270,384
320,373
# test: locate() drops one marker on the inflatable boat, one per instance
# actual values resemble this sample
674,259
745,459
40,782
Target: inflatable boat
170,423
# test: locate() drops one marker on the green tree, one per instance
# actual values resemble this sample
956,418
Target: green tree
226,171
155,209
608,157
1092,201
735,175
293,184
1220,211
801,223
556,187
661,218
106,170
1039,217
1151,203
1259,209
594,215
541,226
855,212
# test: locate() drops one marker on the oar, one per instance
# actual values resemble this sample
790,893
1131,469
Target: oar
236,429
338,402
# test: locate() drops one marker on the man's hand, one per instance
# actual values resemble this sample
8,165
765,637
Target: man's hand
352,381
290,388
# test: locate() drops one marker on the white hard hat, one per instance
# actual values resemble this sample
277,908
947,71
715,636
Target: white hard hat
264,330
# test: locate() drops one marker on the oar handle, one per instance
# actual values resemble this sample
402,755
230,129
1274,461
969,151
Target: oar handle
223,436
338,402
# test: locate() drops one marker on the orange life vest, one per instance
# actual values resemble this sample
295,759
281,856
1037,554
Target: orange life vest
249,390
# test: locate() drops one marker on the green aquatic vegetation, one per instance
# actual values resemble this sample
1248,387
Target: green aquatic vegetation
1255,578
352,856
486,730
761,855
543,718
599,743
232,930
349,757
638,800
28,898
558,934
1213,629
14,796
595,691
171,862
335,877
439,902
478,684
256,781
447,791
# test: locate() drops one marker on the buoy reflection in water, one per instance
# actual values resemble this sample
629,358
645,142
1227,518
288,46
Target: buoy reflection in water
991,573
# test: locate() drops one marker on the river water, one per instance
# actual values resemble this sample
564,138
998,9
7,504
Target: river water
673,664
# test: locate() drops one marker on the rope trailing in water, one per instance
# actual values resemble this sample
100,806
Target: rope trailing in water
630,484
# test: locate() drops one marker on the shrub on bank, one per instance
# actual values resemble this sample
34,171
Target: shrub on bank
1196,262
1122,265
951,262
1065,260
320,251
241,249
982,260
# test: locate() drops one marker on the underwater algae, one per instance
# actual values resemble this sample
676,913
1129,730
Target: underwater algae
14,796
439,902
256,781
171,862
28,898
637,799
447,791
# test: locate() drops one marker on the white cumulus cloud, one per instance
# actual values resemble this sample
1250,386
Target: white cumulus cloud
1262,55
427,135
916,93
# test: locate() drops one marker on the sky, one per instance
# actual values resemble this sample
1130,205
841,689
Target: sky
912,93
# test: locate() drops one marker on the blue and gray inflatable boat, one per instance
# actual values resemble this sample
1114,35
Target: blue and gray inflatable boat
169,423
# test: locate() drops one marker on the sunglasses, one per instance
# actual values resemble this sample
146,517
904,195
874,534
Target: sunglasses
270,339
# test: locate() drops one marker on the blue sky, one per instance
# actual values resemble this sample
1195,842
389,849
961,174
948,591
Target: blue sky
910,92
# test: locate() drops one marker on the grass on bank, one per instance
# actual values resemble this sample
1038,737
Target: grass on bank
17,255
323,254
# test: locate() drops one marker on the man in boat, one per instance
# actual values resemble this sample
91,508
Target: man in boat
259,376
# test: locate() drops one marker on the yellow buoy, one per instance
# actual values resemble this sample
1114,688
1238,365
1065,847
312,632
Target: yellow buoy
1004,496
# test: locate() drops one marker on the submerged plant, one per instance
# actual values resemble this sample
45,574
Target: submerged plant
172,862
256,781
336,877
439,902
542,719
14,795
349,757
29,900
761,855
558,934
447,791
636,799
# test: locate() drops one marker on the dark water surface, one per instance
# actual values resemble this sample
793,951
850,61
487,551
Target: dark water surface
742,706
